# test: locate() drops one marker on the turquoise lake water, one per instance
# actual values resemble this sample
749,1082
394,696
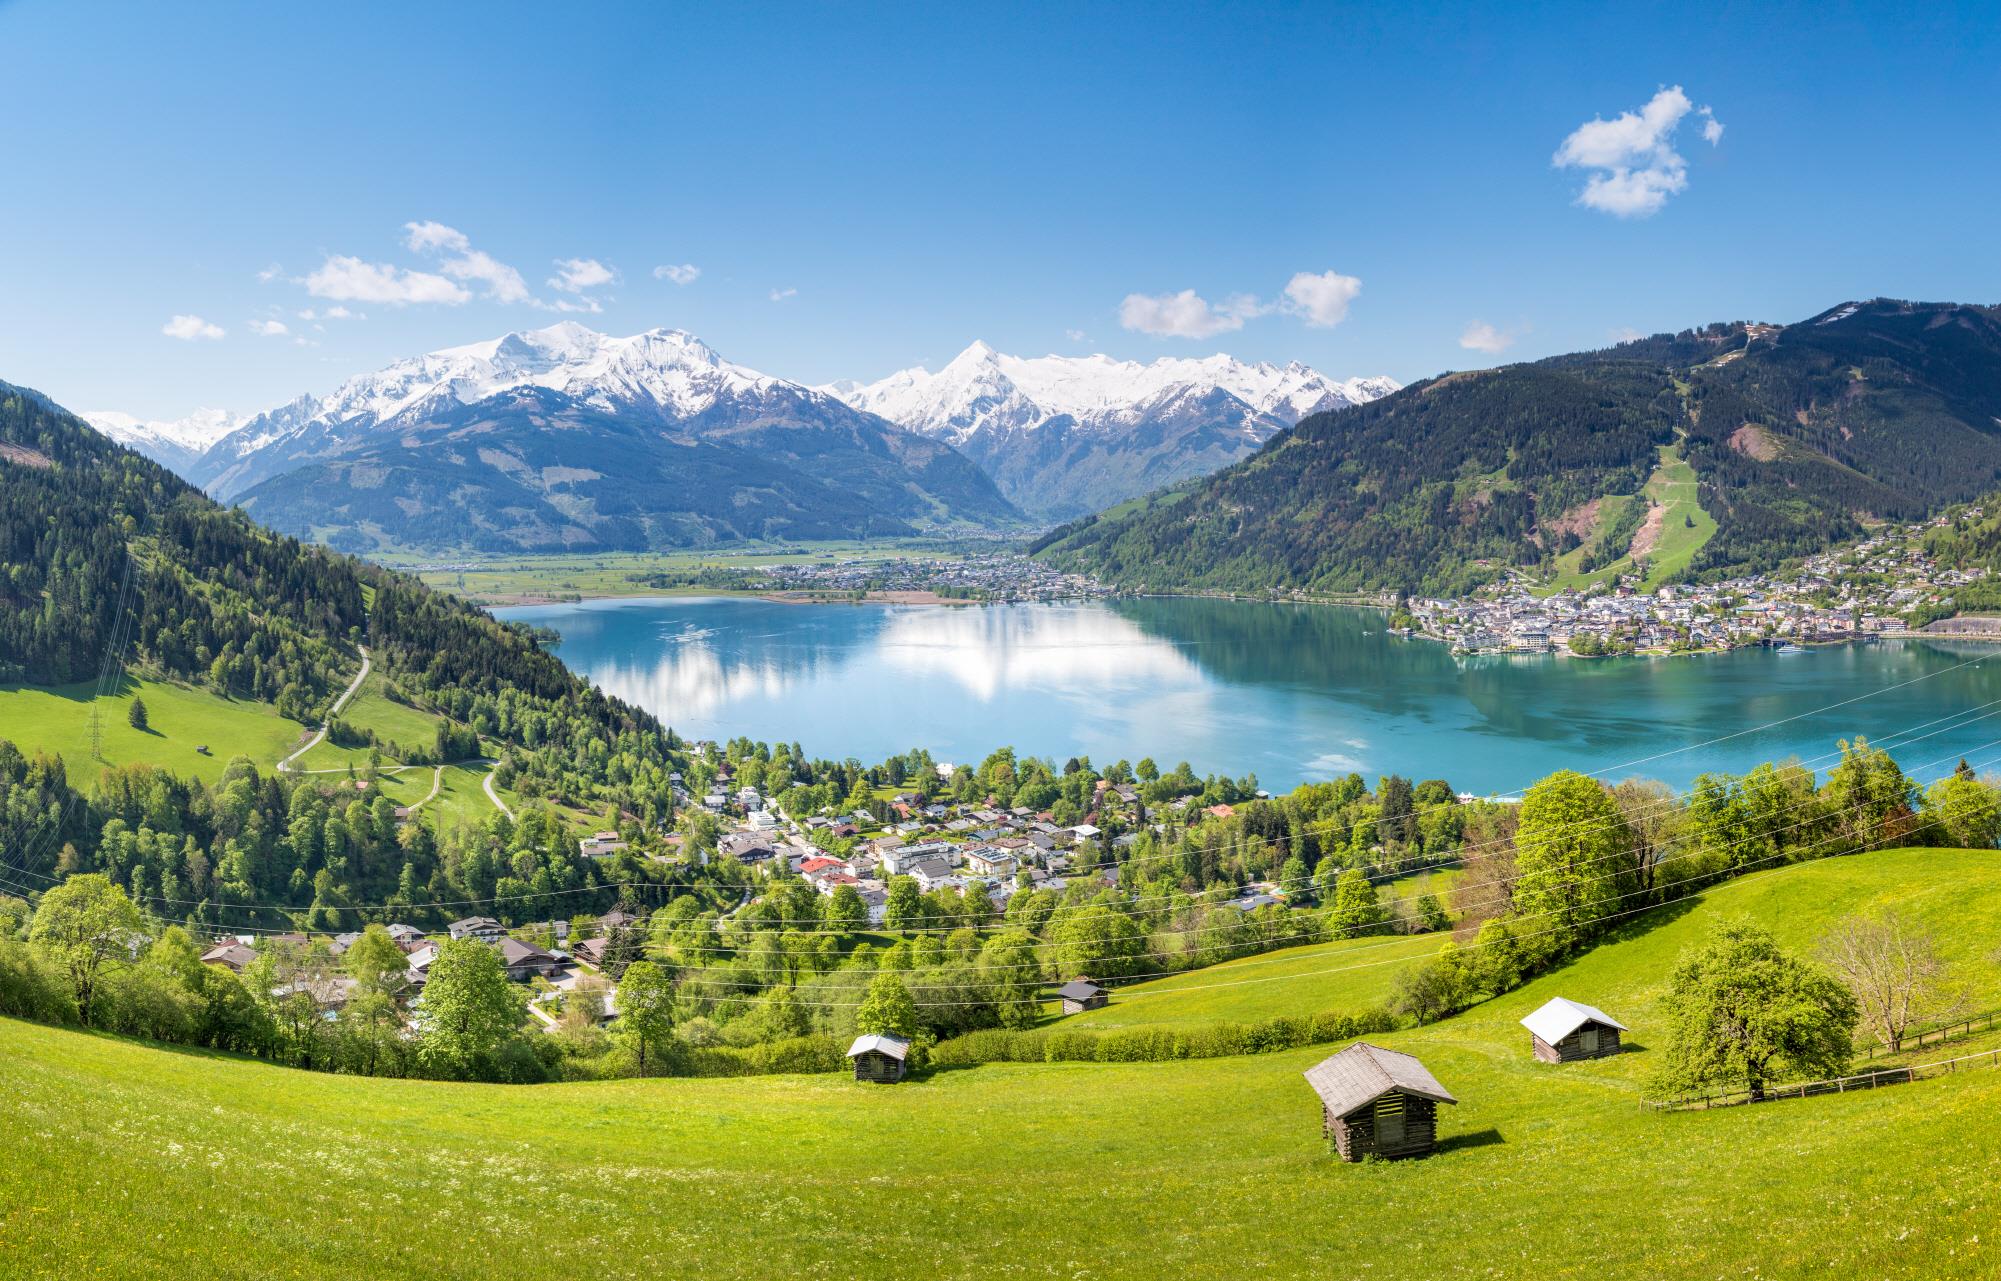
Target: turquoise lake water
1290,693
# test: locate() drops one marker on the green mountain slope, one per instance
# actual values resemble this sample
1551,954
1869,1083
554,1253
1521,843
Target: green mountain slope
1797,436
117,578
220,1167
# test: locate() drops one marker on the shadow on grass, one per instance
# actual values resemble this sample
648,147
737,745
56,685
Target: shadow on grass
1486,1138
79,691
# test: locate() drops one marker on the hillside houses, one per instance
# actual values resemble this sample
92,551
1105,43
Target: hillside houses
1851,593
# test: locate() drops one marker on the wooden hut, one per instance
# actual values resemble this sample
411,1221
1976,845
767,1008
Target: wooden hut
1079,995
1564,1031
879,1057
1377,1102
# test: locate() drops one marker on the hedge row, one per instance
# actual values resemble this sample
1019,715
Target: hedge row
1156,1045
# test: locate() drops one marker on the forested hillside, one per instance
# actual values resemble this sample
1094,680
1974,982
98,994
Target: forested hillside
113,566
1798,436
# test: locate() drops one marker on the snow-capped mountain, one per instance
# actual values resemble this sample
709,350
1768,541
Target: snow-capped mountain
663,374
176,444
563,438
1065,435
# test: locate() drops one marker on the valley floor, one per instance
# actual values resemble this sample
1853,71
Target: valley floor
133,1161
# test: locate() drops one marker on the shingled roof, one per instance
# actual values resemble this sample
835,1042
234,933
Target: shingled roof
1363,1073
1078,990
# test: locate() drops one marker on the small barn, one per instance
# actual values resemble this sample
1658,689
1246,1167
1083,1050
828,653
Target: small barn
879,1057
1079,995
1377,1102
1564,1031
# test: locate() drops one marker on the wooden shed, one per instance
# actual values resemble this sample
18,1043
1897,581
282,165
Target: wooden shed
1079,995
879,1057
1377,1102
1564,1031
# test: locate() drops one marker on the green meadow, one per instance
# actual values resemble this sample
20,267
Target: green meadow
127,1160
56,719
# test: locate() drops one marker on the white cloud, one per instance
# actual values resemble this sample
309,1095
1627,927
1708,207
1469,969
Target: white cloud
349,279
191,329
575,275
502,283
685,273
269,274
1625,334
431,237
338,313
269,328
1633,164
1481,336
1076,335
1322,300
1184,315
780,295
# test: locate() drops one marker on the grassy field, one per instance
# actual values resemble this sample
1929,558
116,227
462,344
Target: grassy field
608,574
1349,975
56,719
1685,527
132,1161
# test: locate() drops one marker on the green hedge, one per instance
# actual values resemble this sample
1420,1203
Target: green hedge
794,1054
1156,1045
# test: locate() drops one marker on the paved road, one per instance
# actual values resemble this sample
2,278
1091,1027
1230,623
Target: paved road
285,766
494,796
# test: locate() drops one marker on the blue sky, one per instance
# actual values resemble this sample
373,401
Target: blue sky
865,188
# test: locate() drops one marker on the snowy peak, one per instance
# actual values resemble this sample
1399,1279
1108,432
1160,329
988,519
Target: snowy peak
194,433
981,390
1063,435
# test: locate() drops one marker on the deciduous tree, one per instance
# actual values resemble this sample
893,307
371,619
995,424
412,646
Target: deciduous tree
1741,1010
86,925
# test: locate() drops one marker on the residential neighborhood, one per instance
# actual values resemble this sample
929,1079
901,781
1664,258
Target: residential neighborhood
1864,590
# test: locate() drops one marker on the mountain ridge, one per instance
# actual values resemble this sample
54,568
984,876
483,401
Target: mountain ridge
1799,436
1062,435
566,439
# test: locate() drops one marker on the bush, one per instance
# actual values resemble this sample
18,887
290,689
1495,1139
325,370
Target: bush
793,1054
30,988
1157,1045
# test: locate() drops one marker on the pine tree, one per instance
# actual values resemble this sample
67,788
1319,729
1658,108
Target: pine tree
135,715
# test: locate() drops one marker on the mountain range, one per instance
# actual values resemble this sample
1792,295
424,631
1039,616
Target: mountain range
1065,435
567,439
1794,436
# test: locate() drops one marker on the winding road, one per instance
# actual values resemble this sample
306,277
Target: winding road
437,772
494,796
319,735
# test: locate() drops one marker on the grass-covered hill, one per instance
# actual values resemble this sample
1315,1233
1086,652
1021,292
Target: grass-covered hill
134,1161
1796,434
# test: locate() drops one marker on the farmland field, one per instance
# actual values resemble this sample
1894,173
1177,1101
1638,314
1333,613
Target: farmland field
133,1161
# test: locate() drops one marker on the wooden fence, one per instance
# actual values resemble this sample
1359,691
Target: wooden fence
1833,1085
1932,1035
